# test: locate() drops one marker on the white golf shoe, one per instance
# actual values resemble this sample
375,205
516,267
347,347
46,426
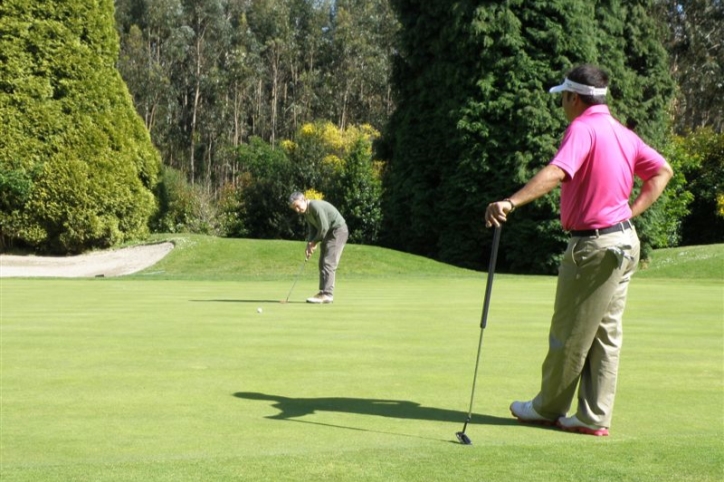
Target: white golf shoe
320,298
525,413
572,424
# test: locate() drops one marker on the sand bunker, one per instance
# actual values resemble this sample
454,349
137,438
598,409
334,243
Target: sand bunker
117,262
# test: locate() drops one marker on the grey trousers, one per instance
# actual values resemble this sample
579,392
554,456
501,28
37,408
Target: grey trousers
330,252
586,330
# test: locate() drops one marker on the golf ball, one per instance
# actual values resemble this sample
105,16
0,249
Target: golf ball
258,310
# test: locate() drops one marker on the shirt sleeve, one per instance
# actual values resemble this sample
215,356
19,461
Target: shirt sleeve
649,162
577,143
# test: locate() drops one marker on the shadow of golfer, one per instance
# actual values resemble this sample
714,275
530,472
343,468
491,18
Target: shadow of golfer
282,302
290,408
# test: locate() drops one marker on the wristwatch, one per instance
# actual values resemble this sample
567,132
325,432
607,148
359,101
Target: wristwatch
512,205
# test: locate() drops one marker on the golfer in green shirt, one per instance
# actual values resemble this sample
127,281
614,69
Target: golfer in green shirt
325,226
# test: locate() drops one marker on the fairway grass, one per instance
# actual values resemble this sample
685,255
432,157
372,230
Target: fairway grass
149,378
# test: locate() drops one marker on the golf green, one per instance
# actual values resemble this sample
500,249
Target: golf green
144,379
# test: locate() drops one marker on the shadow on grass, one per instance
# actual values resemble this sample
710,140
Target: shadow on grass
298,407
281,302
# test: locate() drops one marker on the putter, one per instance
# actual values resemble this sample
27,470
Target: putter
462,438
301,268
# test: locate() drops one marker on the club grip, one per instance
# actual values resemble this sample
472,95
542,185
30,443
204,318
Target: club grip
491,270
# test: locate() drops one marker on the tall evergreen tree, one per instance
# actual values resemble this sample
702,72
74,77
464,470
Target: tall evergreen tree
77,156
475,120
432,77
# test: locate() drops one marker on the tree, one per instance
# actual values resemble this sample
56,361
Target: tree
361,42
432,75
357,185
705,150
695,42
76,157
323,161
475,121
268,182
208,76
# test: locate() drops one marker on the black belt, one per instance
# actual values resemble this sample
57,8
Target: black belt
622,226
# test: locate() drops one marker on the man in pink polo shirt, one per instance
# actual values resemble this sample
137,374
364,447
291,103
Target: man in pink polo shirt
596,165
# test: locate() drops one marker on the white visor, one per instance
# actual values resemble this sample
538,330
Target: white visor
581,89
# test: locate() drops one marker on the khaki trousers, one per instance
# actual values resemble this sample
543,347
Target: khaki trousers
586,329
329,256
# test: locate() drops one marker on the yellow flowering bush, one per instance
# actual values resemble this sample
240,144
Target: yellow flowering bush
333,161
307,130
338,162
288,145
313,195
336,142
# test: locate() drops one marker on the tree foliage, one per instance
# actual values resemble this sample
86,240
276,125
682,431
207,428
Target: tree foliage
324,161
208,76
339,164
76,163
248,99
269,180
695,42
186,207
704,151
475,121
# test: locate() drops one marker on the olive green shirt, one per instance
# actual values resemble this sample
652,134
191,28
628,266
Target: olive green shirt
321,217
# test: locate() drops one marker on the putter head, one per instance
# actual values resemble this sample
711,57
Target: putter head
463,439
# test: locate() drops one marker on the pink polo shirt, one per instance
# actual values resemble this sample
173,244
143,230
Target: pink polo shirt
600,158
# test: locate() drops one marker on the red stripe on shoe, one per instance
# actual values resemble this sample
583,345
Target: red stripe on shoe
600,432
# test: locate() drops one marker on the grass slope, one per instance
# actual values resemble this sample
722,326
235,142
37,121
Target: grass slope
205,257
688,262
170,376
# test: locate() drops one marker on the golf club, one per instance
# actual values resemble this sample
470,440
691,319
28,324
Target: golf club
464,439
301,268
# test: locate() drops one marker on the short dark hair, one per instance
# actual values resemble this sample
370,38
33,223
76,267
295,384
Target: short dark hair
590,75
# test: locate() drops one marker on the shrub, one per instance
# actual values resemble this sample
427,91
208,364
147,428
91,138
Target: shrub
704,172
76,159
268,180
